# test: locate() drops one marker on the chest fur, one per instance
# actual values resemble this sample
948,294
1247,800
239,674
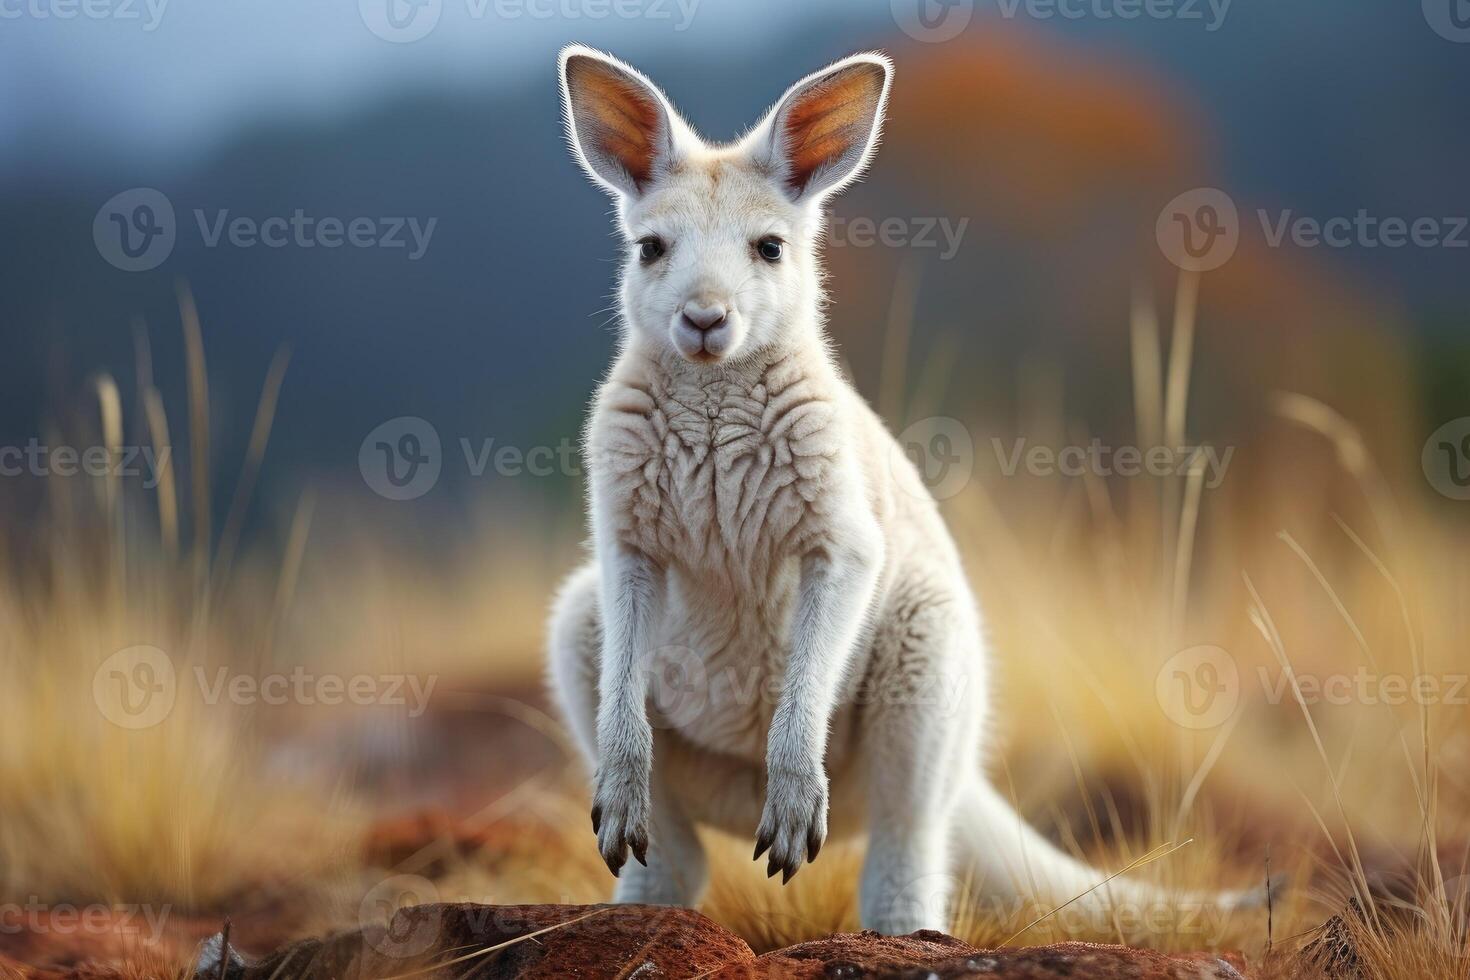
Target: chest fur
720,475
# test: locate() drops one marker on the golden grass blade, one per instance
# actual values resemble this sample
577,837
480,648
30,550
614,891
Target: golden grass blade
1148,858
291,562
1184,548
1181,356
1148,397
1202,772
260,433
198,432
1351,451
1263,621
168,494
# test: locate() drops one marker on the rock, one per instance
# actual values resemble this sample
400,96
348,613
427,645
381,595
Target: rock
484,942
924,955
487,942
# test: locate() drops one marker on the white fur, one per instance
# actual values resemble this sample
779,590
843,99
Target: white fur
759,537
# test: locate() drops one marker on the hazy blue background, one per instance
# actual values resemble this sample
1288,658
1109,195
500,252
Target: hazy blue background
1322,106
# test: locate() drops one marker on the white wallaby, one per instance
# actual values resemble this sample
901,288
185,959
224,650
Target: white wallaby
774,612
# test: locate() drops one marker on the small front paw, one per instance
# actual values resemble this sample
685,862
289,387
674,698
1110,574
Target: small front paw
620,814
794,823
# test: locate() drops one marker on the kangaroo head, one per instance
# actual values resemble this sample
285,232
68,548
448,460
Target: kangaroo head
721,239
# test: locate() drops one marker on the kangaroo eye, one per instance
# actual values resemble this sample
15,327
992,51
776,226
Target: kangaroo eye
771,248
650,248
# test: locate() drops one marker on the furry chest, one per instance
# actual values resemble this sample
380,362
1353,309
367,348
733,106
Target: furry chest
725,482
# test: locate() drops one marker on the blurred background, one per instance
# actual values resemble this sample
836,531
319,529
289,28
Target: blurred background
249,243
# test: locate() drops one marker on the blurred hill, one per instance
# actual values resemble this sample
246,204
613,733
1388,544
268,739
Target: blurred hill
1056,145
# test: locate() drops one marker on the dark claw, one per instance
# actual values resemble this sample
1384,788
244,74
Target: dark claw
786,874
596,818
771,868
640,850
615,864
813,848
762,844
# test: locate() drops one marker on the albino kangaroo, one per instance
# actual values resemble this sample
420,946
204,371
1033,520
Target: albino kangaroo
760,537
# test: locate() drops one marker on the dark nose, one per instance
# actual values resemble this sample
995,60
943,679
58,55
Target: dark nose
703,316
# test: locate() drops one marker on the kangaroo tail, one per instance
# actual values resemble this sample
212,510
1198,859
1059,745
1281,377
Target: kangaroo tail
1011,861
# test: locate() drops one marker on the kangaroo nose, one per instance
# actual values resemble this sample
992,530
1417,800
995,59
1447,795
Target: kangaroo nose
704,317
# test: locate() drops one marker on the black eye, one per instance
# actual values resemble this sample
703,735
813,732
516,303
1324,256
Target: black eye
770,248
650,248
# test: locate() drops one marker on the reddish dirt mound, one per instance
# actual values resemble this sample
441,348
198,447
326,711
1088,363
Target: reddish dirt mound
439,942
488,942
935,955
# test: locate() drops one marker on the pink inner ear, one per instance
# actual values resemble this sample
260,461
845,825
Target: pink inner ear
616,115
830,120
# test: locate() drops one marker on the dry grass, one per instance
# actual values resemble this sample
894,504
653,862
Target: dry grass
1309,562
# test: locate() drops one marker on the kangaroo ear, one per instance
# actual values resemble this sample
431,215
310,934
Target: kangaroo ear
621,128
822,133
